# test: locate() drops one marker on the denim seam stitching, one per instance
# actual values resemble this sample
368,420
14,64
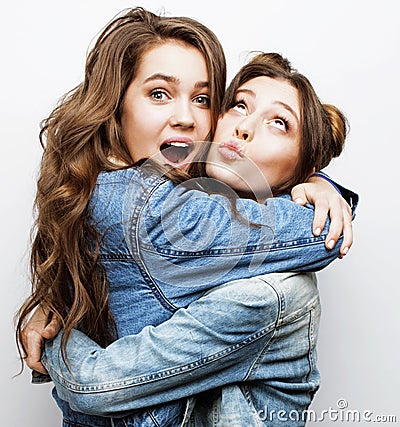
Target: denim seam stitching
133,242
309,356
215,412
254,366
297,315
188,411
160,375
246,392
255,249
311,341
150,414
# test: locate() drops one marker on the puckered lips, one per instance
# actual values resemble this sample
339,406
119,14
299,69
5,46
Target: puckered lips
231,150
176,151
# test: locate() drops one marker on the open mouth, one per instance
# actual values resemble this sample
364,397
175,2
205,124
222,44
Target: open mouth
176,151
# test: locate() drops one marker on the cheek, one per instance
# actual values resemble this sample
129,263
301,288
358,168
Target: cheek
278,166
129,123
292,157
217,134
225,128
203,124
140,133
211,158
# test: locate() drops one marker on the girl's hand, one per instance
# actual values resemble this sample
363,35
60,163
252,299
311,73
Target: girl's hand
35,332
327,201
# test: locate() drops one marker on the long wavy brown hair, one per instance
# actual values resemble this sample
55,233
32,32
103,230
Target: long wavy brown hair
323,126
81,138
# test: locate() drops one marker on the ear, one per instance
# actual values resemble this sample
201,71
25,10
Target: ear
313,170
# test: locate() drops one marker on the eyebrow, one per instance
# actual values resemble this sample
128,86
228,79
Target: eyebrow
175,80
160,76
248,91
289,108
281,103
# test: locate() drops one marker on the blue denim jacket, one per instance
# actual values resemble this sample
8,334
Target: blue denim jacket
255,338
165,245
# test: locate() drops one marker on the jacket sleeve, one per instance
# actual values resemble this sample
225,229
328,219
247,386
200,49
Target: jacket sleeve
219,339
190,238
185,237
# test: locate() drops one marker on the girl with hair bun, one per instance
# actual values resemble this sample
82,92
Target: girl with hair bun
321,129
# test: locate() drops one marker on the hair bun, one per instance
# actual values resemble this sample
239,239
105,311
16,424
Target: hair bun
339,129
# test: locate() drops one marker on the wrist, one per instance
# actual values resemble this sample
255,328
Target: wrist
326,178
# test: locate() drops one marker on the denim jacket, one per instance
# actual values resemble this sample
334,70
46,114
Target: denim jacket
165,245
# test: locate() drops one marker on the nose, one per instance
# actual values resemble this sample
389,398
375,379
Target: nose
182,116
244,131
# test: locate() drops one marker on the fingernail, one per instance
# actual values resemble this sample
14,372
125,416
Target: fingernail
299,200
317,231
345,250
331,244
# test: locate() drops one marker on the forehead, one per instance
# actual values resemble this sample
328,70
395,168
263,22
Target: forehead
176,59
265,90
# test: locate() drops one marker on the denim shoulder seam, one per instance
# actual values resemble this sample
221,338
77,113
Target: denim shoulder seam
254,366
138,199
293,316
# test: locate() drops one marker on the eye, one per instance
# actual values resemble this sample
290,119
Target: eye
203,100
279,123
159,95
240,107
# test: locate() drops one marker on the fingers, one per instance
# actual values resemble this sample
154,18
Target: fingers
33,339
327,202
347,232
52,329
320,216
341,224
33,342
299,194
336,225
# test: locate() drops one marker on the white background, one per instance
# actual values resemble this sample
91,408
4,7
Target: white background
350,50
